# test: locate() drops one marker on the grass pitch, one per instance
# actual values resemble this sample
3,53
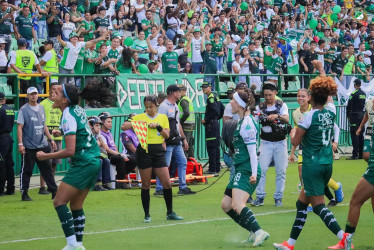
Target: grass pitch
114,219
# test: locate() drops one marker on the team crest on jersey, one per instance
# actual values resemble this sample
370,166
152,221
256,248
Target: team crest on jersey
25,61
252,136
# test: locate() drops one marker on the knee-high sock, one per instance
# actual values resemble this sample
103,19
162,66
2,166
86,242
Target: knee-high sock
301,214
333,184
328,218
328,193
79,223
67,223
145,201
168,196
248,220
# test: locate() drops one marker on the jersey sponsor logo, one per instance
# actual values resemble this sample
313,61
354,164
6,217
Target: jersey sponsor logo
25,61
325,118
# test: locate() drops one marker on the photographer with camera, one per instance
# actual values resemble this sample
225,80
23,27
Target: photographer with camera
273,115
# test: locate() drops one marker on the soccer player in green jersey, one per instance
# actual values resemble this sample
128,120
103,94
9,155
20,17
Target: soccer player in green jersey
314,132
247,169
84,153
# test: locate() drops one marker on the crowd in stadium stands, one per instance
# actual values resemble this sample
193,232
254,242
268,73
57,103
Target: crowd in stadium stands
214,37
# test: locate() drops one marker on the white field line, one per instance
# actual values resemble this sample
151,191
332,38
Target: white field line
156,226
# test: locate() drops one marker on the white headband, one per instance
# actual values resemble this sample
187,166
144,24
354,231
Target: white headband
239,100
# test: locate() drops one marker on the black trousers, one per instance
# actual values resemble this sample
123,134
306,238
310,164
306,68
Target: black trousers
123,168
6,163
212,137
28,162
357,141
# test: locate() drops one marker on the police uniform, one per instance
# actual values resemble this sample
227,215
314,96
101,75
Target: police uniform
6,148
212,131
187,120
317,150
355,113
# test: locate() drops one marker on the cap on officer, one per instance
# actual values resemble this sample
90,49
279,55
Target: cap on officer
172,88
357,82
21,42
206,85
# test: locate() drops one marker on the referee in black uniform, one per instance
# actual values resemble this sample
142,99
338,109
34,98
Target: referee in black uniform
212,129
355,114
6,147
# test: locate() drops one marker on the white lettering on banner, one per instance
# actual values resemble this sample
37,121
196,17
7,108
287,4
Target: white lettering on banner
133,90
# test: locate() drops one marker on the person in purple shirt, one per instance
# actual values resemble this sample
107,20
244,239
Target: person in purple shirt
116,159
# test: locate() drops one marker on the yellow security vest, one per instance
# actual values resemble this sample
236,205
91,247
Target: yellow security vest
52,65
25,60
191,118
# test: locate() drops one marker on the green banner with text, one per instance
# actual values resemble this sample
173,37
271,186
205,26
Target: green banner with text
131,89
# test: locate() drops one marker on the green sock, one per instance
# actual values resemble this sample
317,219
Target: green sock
248,220
79,220
66,220
300,219
349,229
234,215
328,218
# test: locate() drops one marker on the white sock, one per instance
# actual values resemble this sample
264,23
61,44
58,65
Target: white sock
71,240
291,242
340,234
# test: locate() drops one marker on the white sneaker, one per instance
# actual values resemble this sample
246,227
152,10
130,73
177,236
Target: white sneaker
260,238
250,239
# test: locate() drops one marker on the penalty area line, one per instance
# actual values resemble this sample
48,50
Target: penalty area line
150,227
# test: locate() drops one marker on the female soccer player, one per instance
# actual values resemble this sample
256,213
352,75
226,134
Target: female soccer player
84,152
154,160
314,132
247,170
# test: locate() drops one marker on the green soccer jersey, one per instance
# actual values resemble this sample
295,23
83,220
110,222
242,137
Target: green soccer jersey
267,59
276,64
319,127
122,69
253,54
169,62
338,65
113,53
330,56
146,22
210,64
6,24
94,3
244,134
142,46
101,22
87,26
78,68
24,25
217,47
362,67
89,68
74,122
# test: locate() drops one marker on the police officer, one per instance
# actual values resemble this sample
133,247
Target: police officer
274,119
6,147
213,113
22,61
355,114
187,120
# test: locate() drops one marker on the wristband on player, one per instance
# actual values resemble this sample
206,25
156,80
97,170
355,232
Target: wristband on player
20,144
159,128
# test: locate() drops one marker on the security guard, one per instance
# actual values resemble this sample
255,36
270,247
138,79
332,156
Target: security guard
49,61
213,113
22,61
355,114
6,147
187,119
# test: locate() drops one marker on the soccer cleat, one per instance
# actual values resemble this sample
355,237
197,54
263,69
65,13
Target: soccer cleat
339,195
345,243
283,246
260,238
278,203
147,219
258,202
173,216
250,239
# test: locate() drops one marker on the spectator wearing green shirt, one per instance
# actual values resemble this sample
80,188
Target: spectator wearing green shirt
339,63
106,64
349,68
90,58
209,61
218,49
6,21
147,23
126,63
24,27
141,47
88,28
101,21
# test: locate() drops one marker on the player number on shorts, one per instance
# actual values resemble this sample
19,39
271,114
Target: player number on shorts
326,137
237,177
